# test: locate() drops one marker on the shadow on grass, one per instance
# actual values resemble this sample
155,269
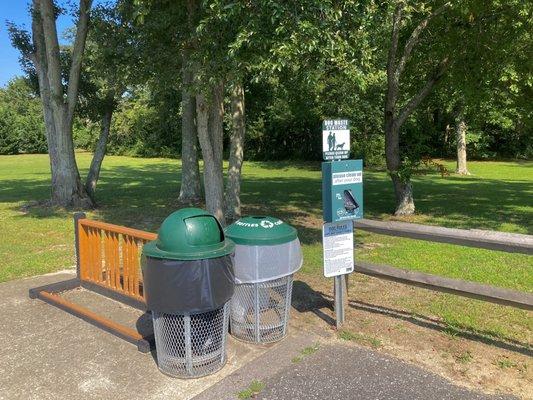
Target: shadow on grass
485,337
286,165
306,299
142,197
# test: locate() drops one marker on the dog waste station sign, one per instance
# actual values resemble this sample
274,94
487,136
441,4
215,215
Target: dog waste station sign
342,202
335,139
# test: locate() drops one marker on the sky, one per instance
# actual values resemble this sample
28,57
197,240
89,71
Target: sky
17,11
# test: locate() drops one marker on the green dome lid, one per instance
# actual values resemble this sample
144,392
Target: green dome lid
261,231
189,234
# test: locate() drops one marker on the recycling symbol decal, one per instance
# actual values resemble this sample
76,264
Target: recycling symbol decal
267,224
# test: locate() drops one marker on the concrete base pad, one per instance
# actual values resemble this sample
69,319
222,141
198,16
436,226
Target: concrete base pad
48,354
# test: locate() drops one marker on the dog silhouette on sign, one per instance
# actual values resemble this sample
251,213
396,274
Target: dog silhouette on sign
340,146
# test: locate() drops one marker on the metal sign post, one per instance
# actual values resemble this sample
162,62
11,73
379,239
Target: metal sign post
337,239
342,201
339,300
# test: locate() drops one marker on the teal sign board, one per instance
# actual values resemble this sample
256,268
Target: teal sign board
342,190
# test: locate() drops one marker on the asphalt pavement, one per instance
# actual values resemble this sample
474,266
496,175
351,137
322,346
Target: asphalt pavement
338,372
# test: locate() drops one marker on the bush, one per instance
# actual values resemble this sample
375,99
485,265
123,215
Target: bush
21,120
9,142
144,128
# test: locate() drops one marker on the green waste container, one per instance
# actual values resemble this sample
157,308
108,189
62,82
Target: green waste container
267,254
188,281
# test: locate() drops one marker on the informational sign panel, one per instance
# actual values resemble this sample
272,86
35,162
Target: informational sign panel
342,190
337,239
335,139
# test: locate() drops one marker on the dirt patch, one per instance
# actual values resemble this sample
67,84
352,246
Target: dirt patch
374,319
29,206
370,246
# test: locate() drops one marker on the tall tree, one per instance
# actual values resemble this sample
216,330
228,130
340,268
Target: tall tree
243,41
59,96
59,103
166,31
215,30
460,139
236,152
190,171
110,55
210,116
395,116
455,42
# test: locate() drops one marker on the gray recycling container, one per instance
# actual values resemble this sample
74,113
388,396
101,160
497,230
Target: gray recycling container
188,281
267,254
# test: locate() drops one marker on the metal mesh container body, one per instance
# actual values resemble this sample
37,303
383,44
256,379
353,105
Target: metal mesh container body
191,345
260,311
267,254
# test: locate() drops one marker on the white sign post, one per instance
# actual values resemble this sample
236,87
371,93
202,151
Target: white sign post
337,240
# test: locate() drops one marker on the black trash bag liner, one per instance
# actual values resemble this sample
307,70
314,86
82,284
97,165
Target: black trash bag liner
187,287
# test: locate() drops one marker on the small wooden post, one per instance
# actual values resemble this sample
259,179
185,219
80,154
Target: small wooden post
77,216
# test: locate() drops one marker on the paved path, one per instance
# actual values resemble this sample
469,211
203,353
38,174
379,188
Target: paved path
340,372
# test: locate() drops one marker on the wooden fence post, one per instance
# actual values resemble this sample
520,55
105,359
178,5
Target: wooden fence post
77,216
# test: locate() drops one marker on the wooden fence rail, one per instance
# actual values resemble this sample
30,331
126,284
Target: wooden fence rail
501,241
458,287
491,240
109,256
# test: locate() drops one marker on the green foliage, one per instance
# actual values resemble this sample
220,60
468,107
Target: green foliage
21,120
9,141
359,338
300,63
306,351
251,391
146,125
464,357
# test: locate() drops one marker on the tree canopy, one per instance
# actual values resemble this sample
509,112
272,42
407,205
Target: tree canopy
405,73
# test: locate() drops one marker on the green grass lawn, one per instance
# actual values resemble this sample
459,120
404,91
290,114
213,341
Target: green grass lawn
141,192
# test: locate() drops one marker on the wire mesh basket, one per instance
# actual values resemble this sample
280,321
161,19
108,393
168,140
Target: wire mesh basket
191,345
260,311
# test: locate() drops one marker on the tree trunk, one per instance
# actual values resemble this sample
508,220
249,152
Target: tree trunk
394,118
190,172
460,135
67,189
99,154
209,114
403,189
233,185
